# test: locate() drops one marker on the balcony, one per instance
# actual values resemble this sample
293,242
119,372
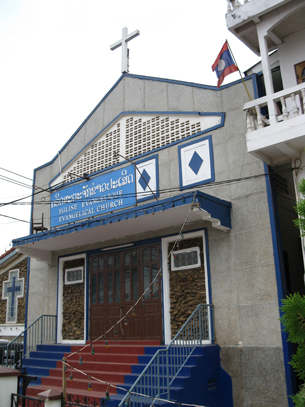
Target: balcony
276,125
280,18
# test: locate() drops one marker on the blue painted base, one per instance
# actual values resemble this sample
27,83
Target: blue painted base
202,381
43,359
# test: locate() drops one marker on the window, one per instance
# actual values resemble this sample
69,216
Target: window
300,72
74,275
185,259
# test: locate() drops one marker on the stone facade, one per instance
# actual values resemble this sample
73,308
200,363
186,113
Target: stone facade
187,287
22,266
73,305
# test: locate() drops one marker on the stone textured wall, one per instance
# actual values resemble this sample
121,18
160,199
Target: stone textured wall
187,287
23,267
73,305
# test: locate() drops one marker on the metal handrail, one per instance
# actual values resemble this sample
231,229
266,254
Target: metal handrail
43,330
157,377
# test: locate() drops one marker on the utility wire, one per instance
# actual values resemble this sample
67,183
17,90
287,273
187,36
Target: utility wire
10,217
19,175
167,190
16,182
28,196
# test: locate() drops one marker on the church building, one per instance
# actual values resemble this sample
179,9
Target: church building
152,207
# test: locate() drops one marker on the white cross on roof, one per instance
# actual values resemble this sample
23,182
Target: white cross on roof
123,43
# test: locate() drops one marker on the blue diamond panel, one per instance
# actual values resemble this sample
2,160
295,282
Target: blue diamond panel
195,163
144,180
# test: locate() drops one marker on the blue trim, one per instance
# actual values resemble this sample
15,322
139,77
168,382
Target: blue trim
27,300
191,84
150,78
156,192
120,247
278,275
32,202
87,297
221,114
202,182
6,257
82,124
218,209
58,296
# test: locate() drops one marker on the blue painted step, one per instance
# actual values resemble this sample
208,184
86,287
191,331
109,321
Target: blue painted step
43,359
202,381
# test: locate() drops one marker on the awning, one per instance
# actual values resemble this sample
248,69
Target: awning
153,216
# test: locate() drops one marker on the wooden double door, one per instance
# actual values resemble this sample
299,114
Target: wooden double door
117,281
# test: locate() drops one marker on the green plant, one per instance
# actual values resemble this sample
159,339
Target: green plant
293,320
300,208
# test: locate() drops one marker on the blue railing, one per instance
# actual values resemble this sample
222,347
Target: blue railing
155,380
43,330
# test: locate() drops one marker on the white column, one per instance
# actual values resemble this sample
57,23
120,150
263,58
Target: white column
8,385
267,73
52,398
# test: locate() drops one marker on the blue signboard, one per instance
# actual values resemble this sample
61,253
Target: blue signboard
105,193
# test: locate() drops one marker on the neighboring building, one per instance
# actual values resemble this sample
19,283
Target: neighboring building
276,121
275,30
110,229
13,283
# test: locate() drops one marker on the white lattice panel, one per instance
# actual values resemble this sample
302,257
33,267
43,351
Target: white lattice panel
98,156
134,135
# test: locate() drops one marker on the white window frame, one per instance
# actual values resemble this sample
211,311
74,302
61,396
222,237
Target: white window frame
192,266
61,262
76,281
166,299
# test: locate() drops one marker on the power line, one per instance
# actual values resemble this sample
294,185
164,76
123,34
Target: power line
28,196
168,190
19,175
13,181
10,217
202,186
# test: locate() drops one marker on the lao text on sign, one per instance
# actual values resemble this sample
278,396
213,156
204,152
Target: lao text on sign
105,193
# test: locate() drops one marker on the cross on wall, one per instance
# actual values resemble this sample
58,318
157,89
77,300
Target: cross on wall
13,289
125,51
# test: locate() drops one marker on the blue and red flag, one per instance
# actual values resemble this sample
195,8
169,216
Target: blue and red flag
224,64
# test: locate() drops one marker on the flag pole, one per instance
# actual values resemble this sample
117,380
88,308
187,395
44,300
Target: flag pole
238,70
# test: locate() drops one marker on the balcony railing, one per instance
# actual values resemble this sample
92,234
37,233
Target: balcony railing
282,106
43,330
234,4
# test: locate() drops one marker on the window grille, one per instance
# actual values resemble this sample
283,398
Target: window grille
131,137
74,275
185,259
281,184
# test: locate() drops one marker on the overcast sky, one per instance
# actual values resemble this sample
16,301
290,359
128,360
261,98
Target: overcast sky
56,65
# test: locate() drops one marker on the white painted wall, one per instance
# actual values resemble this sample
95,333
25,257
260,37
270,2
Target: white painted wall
8,385
291,52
